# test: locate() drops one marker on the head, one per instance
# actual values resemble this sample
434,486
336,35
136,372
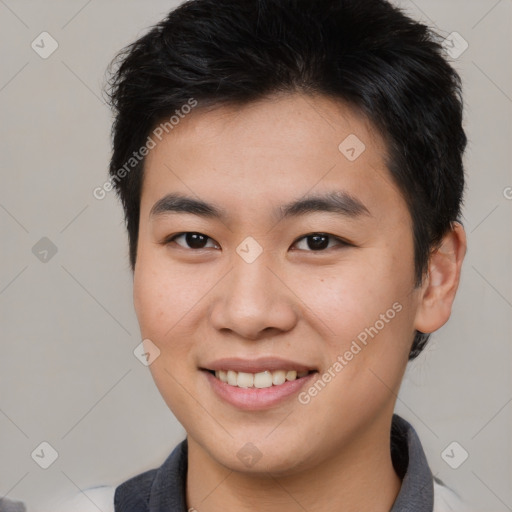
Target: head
228,114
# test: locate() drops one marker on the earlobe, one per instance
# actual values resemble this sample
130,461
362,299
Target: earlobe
441,283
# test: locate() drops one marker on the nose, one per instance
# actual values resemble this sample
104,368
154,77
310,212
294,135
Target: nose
254,302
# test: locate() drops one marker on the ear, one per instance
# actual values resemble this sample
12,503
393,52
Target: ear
441,282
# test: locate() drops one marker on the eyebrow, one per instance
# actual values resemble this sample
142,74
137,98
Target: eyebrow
339,202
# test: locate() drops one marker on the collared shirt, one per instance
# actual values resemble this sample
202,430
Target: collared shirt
164,489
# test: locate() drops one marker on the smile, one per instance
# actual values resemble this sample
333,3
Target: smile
264,379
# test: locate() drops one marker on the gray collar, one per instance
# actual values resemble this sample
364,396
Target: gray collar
164,489
417,491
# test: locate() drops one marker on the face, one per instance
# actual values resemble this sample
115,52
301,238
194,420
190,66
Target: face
272,241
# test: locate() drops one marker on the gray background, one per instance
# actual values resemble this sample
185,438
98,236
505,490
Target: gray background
68,375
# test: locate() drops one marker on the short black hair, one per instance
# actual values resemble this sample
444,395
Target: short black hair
367,53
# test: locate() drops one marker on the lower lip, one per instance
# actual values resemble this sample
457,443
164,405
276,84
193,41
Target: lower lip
253,399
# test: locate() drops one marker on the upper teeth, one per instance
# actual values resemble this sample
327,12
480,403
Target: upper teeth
258,380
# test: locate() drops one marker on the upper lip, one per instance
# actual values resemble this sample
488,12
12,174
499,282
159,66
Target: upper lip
256,365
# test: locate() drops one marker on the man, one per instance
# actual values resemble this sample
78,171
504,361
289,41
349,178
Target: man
291,176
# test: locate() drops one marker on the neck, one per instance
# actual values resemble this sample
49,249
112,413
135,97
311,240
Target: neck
359,477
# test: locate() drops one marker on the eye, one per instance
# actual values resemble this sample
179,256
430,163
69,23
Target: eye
192,239
314,242
319,241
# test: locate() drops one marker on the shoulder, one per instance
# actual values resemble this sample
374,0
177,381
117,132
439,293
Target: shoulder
447,500
7,505
91,500
134,493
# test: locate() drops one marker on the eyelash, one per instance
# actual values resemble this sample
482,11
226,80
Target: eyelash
340,241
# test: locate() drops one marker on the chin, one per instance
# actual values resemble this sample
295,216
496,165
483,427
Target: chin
260,457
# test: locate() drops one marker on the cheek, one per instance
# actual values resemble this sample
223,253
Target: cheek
167,301
364,309
349,297
147,299
161,308
155,297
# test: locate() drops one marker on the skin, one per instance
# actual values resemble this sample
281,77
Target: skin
199,305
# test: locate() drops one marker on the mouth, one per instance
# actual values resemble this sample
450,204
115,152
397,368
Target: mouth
259,380
257,384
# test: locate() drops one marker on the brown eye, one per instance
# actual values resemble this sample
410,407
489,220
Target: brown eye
191,239
317,242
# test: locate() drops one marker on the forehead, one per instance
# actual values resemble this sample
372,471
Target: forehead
278,148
